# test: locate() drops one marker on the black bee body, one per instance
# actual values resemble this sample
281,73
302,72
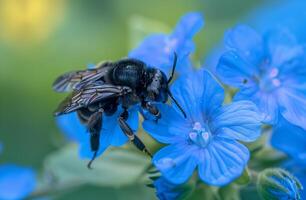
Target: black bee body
99,91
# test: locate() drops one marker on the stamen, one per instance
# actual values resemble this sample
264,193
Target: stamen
199,135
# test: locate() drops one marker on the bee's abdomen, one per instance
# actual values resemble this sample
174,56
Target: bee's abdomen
128,74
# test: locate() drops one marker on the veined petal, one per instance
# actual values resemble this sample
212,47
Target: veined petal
233,70
282,47
290,139
16,182
239,120
293,102
176,162
266,103
247,43
213,94
222,161
188,91
170,127
196,92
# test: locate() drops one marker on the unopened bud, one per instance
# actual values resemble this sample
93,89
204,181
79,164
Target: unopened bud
275,184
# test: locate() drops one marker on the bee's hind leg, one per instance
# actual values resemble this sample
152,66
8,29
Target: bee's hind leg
94,126
130,134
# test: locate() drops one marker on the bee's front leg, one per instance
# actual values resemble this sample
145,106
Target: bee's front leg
130,134
152,109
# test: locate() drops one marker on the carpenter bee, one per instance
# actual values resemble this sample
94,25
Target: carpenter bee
99,91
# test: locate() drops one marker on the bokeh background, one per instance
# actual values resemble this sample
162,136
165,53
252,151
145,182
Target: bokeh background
40,39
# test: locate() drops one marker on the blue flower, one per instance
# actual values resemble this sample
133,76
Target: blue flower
207,138
111,134
158,49
16,182
166,190
268,70
290,139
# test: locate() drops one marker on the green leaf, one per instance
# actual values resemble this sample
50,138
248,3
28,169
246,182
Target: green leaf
186,190
204,192
229,192
244,179
116,167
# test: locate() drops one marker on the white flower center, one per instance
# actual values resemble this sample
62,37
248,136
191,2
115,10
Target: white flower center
199,135
270,81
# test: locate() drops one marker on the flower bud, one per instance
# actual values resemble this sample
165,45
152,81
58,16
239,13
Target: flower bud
275,184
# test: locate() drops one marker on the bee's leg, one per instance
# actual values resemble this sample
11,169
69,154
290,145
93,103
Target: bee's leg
152,109
129,133
94,126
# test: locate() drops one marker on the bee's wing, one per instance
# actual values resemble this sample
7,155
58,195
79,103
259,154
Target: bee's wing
90,94
77,79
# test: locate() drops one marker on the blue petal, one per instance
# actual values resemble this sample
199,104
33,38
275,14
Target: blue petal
176,162
185,30
213,94
282,47
233,70
166,190
170,127
222,161
213,57
266,103
16,182
70,125
189,25
111,126
247,43
239,120
196,92
85,147
290,139
154,51
293,102
111,133
158,49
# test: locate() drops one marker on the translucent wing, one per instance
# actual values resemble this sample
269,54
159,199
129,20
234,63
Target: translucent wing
90,94
78,79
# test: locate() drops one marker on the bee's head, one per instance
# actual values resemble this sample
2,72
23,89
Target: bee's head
158,85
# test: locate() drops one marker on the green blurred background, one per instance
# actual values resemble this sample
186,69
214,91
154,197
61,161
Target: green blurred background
40,39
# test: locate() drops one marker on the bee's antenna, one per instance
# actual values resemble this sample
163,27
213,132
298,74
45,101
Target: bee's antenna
173,68
92,159
178,105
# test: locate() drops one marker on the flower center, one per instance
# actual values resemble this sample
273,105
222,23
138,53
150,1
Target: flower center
199,135
270,81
